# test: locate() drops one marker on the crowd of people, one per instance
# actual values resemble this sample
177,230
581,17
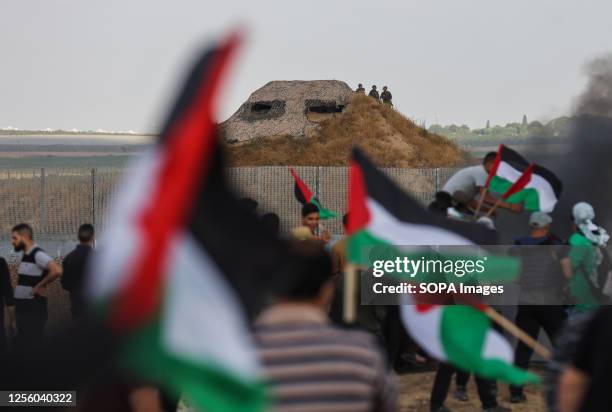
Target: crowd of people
313,361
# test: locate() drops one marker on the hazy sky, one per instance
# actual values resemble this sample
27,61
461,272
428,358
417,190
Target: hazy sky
114,64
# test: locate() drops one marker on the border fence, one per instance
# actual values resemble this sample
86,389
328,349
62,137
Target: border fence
55,201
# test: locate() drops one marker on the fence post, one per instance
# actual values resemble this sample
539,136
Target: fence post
93,197
317,183
437,179
43,212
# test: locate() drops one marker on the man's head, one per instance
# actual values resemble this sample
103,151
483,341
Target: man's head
384,87
22,237
272,222
360,85
488,161
310,216
86,234
374,86
317,287
540,222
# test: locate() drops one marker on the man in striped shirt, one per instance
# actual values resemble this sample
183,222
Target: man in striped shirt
312,365
36,271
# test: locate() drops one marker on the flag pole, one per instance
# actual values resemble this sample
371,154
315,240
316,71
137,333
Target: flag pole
490,211
517,332
480,202
349,313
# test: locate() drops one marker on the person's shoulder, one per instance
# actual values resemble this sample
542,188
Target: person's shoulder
523,240
357,337
577,239
39,252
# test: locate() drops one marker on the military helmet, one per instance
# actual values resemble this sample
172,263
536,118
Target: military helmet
384,87
373,86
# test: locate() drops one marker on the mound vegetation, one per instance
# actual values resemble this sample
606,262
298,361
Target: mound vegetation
386,135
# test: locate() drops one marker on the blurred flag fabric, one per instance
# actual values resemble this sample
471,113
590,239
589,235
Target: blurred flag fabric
380,213
303,194
462,336
183,265
536,187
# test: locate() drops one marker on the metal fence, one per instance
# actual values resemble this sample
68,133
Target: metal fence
56,201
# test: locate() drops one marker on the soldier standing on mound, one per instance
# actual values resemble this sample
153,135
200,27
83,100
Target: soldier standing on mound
360,89
386,96
374,93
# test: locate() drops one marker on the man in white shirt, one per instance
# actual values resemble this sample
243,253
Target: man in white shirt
470,182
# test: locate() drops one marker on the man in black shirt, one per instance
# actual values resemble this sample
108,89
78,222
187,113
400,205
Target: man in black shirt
75,264
541,285
6,298
36,271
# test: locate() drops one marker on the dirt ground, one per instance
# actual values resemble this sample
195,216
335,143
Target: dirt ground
414,390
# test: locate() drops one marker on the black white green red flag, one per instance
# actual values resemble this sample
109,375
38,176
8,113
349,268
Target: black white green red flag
380,213
303,194
511,176
167,277
462,336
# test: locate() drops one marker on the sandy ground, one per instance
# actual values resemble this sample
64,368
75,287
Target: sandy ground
415,389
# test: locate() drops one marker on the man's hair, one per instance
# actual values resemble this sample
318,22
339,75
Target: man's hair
272,222
24,230
318,270
309,208
86,233
489,157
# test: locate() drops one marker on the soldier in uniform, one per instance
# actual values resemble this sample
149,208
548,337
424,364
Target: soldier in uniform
374,93
360,89
386,96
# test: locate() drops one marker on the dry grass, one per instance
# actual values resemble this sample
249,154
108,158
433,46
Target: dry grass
385,134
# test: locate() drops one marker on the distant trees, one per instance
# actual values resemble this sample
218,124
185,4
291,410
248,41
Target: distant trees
559,127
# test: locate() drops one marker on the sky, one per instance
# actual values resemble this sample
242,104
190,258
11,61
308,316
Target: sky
115,64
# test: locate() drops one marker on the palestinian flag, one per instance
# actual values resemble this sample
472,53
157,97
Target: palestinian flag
507,169
538,189
380,213
168,280
520,182
462,336
304,195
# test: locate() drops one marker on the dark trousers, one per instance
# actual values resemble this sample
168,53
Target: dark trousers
462,378
531,318
30,329
442,382
77,305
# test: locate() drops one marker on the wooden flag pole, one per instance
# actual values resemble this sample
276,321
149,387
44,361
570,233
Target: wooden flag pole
517,333
349,313
497,203
480,202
